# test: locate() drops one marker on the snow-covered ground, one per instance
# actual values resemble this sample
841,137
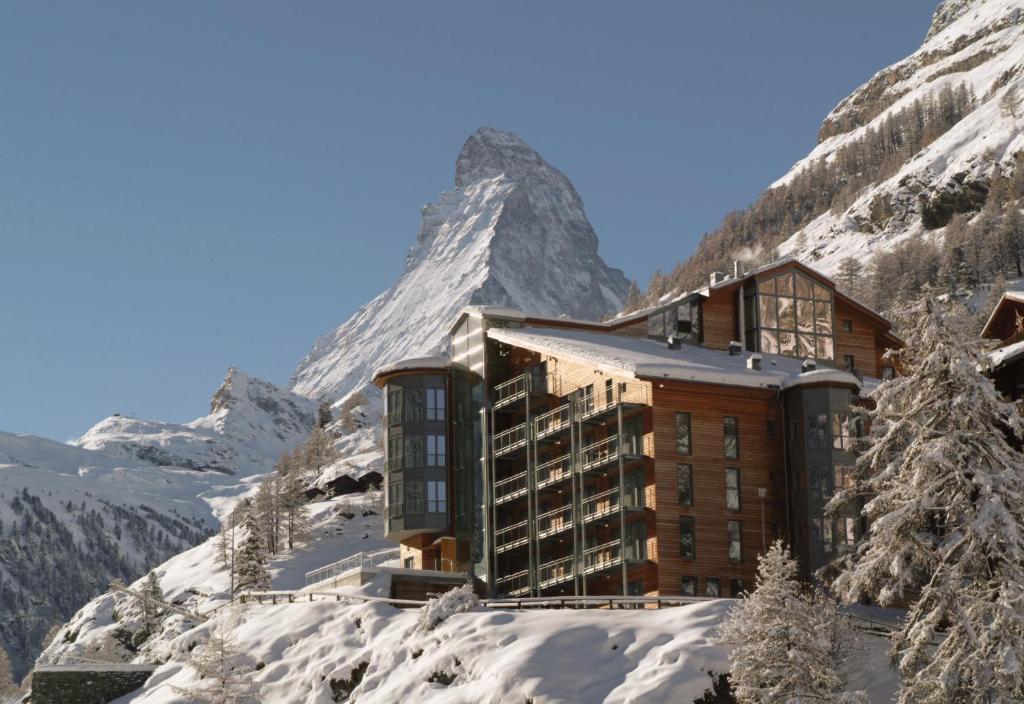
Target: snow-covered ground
485,655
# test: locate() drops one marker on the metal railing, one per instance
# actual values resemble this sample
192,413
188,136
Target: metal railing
515,583
381,558
442,564
552,522
600,505
512,390
508,440
604,451
553,572
511,536
554,471
600,401
508,489
553,421
603,556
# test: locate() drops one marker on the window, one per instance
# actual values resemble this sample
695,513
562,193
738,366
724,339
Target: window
817,537
435,450
689,586
414,405
414,497
795,316
847,326
843,431
817,432
732,437
435,404
887,373
736,588
735,531
413,451
394,405
821,483
687,538
409,563
394,453
609,392
842,477
846,532
635,588
732,489
437,497
848,363
683,433
394,499
712,587
684,478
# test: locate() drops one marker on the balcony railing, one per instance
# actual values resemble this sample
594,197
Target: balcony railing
600,505
553,421
511,488
510,391
553,522
508,440
604,451
513,584
512,536
393,418
602,556
554,471
555,572
601,401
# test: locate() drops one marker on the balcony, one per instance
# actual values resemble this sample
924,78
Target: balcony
601,505
511,537
602,557
393,418
553,422
604,452
554,522
554,471
510,489
555,572
508,441
598,405
515,584
508,392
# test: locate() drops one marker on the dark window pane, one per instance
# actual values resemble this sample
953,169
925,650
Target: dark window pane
687,539
712,587
732,437
732,489
684,476
689,586
683,433
735,541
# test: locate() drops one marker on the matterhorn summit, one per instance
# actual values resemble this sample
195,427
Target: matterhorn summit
511,233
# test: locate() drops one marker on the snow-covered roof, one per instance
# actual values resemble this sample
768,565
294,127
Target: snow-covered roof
642,358
416,363
1005,355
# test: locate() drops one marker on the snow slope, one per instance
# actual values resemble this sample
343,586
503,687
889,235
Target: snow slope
495,656
512,232
975,42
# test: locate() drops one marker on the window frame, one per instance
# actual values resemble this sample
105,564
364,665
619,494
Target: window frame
436,403
738,540
437,496
734,490
688,526
708,581
688,503
735,436
435,450
680,416
682,585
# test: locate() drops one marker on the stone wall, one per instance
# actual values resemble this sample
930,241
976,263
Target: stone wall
86,684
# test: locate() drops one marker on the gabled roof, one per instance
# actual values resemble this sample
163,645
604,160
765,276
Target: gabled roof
999,325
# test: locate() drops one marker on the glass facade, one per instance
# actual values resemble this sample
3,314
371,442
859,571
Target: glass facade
792,315
682,321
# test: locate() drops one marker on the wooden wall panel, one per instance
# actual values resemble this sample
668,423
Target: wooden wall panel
718,316
761,465
864,342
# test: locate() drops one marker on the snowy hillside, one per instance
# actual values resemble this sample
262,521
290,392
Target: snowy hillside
251,422
512,232
305,651
974,43
128,495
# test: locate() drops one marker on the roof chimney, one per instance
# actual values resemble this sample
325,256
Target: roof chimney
809,365
754,362
735,349
718,277
674,343
739,269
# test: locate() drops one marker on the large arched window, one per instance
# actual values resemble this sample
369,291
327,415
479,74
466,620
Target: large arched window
794,317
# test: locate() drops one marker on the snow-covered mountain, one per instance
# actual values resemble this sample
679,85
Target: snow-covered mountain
512,232
126,496
974,43
251,422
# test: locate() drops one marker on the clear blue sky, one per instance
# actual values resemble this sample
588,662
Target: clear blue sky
190,185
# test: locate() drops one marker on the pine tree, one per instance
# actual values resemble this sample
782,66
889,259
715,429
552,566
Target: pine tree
324,416
294,512
250,568
848,274
268,512
319,451
223,679
944,487
150,600
787,644
8,688
633,298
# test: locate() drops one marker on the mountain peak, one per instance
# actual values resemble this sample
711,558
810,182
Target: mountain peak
490,152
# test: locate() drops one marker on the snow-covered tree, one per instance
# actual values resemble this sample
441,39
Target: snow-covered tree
945,503
250,565
295,519
268,512
318,451
150,601
223,679
788,644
